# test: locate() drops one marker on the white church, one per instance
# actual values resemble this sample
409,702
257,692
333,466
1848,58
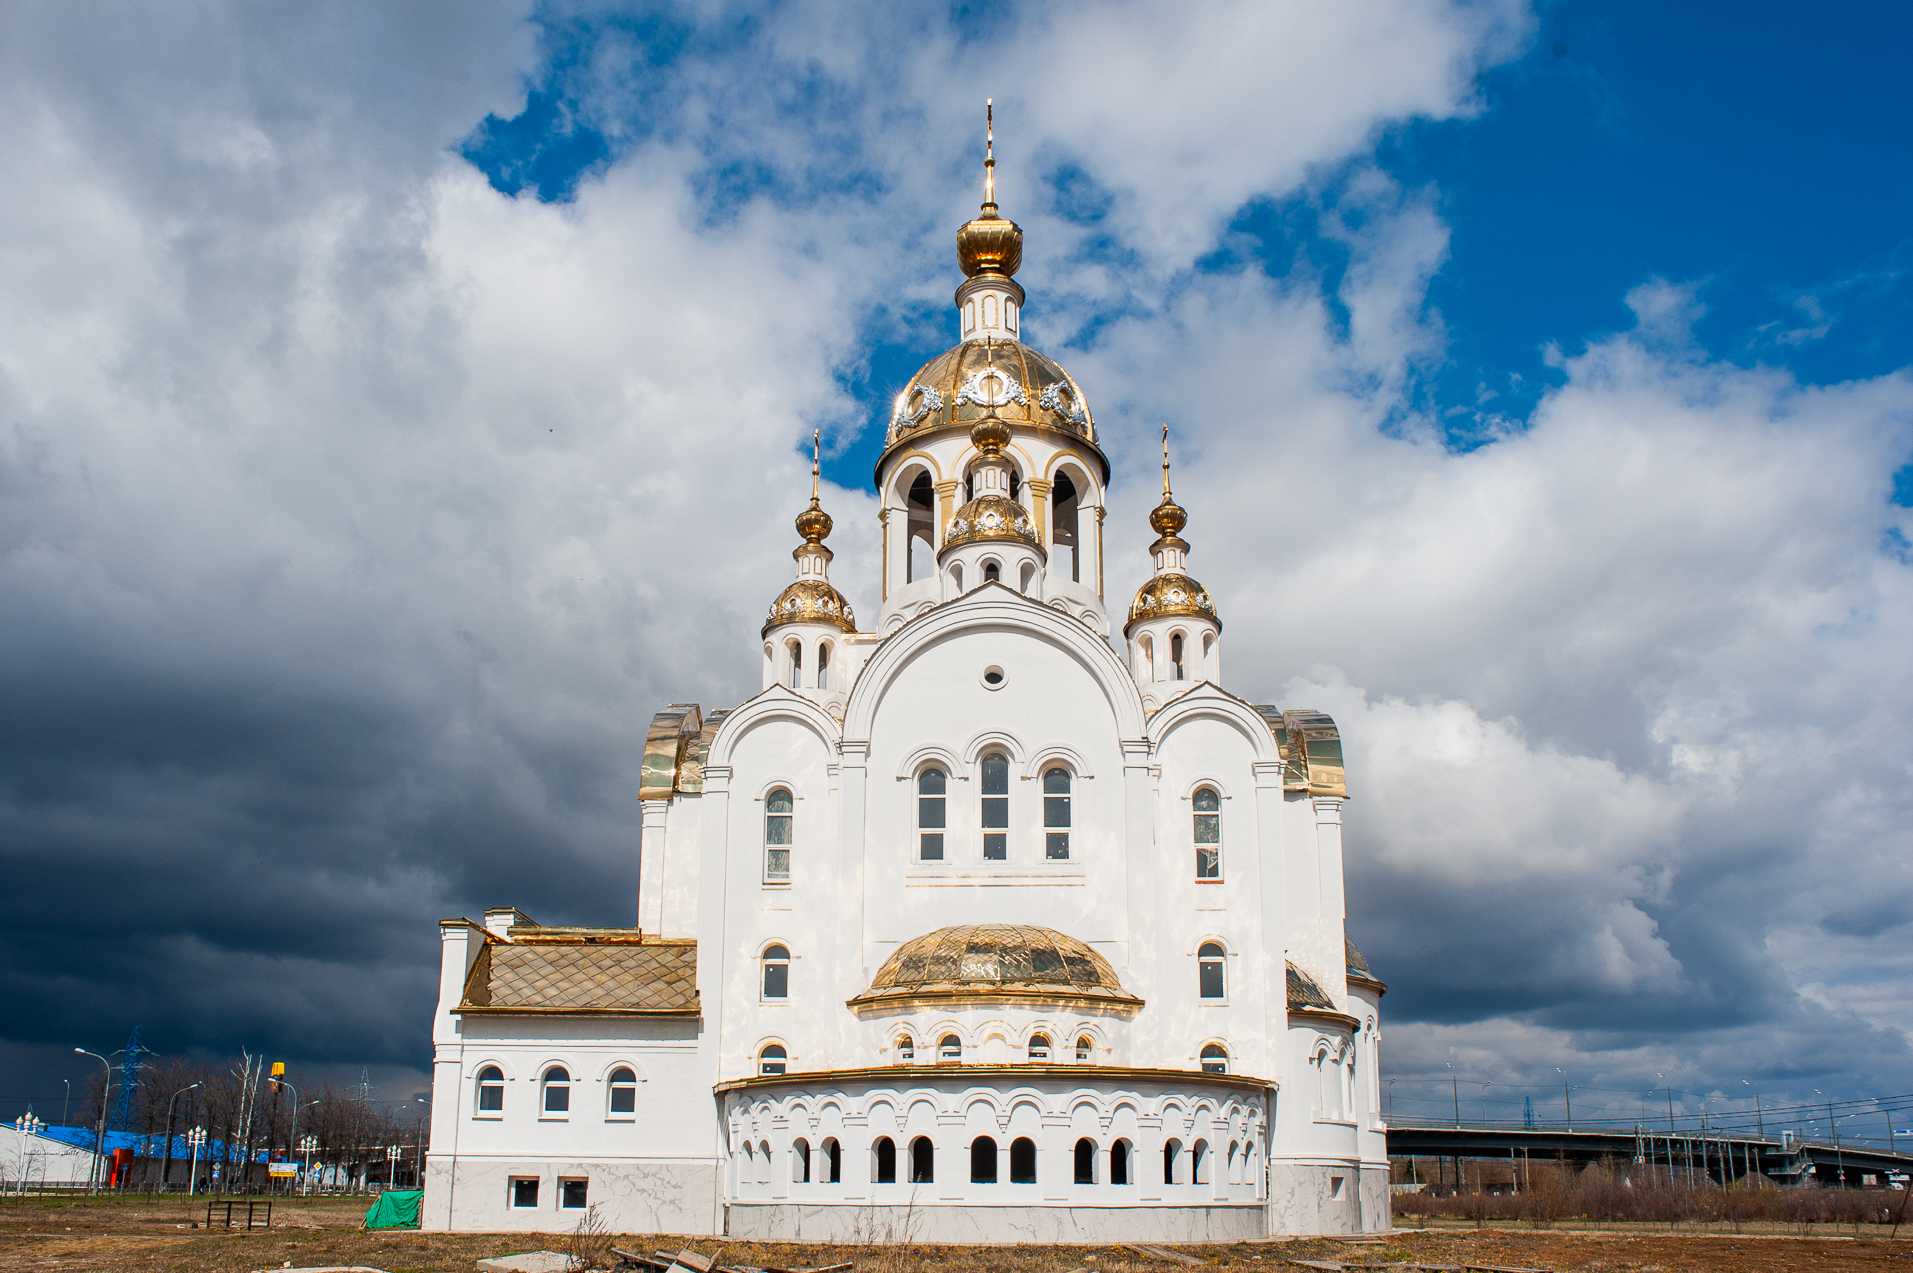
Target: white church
976,923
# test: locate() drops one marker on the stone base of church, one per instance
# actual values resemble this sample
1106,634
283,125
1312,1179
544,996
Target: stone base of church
968,1224
630,1196
1328,1198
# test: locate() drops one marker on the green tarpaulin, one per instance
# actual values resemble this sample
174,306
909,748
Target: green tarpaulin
394,1209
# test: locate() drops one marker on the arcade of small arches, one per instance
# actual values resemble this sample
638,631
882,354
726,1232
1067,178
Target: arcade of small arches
984,1146
1181,655
949,1042
1066,506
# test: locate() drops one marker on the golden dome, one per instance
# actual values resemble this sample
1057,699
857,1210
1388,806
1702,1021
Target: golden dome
814,524
1168,517
989,244
996,962
1004,378
1171,594
811,601
991,517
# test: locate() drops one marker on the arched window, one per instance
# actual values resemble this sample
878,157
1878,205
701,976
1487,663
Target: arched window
621,1094
823,665
932,787
776,972
491,1091
1085,1047
1119,1163
1199,1162
1039,1047
906,1048
949,1048
992,571
884,1169
1231,1167
800,1161
1208,655
765,1168
919,532
923,1161
555,1088
1209,975
1065,507
1207,806
983,1161
778,817
1085,1161
1056,813
956,577
1177,669
1022,1161
772,1059
1171,1161
1215,1059
1328,1085
995,811
796,649
833,1164
1145,658
747,1164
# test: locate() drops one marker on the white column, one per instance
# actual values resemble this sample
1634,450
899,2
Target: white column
653,820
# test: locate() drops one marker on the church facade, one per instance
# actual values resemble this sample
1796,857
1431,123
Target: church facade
995,919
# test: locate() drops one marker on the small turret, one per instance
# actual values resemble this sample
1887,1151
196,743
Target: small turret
991,537
1174,634
803,631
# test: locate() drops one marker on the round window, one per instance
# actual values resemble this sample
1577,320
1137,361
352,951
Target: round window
993,677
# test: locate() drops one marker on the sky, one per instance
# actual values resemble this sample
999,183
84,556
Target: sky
394,403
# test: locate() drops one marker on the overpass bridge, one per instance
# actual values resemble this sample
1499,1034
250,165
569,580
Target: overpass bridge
1693,1154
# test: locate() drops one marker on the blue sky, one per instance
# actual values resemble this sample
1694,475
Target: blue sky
386,393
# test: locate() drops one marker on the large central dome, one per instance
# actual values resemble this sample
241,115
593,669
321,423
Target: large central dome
985,962
977,378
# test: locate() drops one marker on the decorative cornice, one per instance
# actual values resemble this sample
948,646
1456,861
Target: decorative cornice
1053,1070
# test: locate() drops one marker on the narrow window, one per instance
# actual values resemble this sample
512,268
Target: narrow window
923,1161
1119,1163
886,1164
1065,506
1085,1161
949,1048
833,1164
524,1193
778,807
777,972
1209,978
992,572
571,1193
1208,833
906,1048
1085,1047
919,544
1056,813
772,1059
800,1161
1176,672
491,1090
796,665
1039,1047
1232,1170
1022,1161
1026,581
932,784
823,666
765,1166
1215,1059
1171,1161
1199,1162
983,1161
623,1098
557,1090
996,807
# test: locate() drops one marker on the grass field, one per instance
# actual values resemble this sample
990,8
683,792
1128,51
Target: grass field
146,1234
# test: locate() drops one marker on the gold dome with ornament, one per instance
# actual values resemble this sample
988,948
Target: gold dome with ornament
1171,592
991,515
811,597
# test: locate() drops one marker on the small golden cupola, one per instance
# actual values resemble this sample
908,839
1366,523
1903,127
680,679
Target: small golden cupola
989,251
803,629
1173,631
991,537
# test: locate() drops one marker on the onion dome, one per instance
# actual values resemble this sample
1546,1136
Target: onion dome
811,597
976,963
992,515
999,377
1171,591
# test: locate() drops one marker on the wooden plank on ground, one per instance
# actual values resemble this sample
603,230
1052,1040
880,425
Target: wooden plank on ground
1320,1266
693,1261
1155,1252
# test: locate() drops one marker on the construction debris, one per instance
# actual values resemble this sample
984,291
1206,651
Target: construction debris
1155,1252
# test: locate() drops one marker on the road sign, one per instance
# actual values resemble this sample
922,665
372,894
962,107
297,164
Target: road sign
282,1169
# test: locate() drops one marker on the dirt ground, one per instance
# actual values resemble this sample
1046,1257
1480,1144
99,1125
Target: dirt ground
145,1234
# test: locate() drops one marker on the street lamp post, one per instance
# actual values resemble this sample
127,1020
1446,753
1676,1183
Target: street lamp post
306,1146
1567,1095
26,1125
195,1138
418,1147
391,1165
166,1170
97,1175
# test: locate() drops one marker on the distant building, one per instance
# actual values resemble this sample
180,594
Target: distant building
970,925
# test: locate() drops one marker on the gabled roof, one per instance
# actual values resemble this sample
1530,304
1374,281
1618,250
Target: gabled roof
582,972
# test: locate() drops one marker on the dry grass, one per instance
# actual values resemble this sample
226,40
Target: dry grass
112,1235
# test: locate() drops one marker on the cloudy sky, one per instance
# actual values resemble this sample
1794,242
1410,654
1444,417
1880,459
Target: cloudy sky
398,404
